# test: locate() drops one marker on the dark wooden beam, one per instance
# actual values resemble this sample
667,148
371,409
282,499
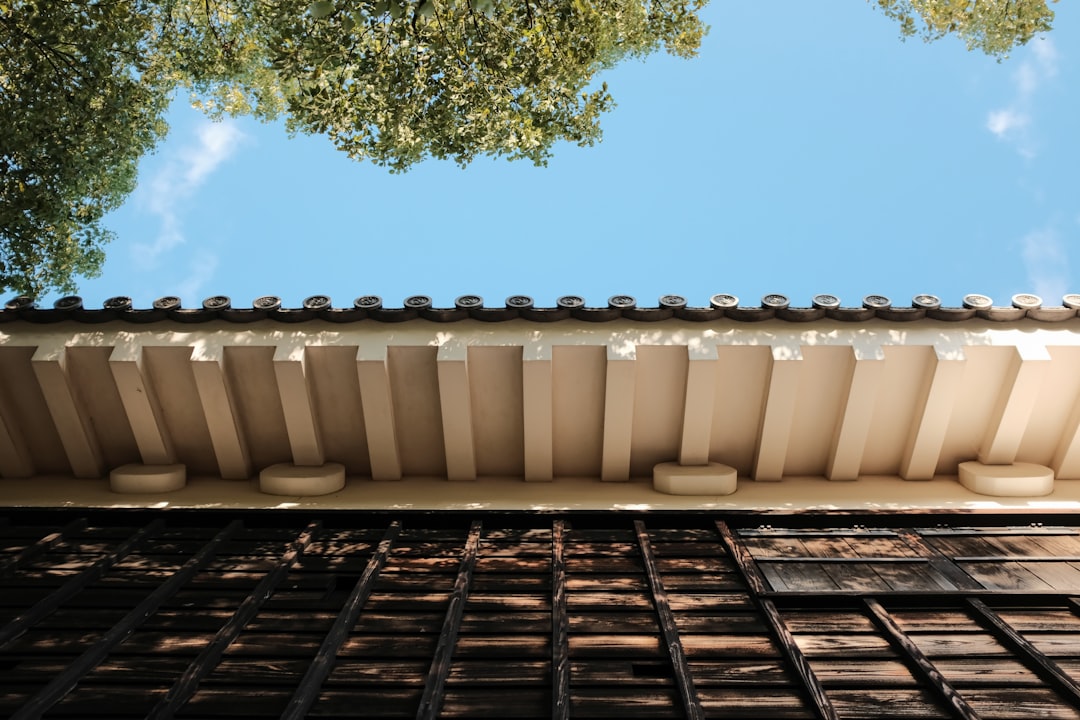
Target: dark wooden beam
1030,655
560,628
308,691
29,553
435,686
918,662
683,677
210,656
793,655
66,680
48,604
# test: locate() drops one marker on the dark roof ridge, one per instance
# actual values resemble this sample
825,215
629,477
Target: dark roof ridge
370,307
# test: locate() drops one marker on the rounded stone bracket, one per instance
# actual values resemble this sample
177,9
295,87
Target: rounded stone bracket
136,478
1016,480
302,480
712,479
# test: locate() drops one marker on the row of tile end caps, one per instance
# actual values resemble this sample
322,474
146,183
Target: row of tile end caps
720,306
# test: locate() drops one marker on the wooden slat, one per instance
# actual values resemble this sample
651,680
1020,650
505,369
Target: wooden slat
76,584
1029,654
308,690
435,686
918,661
210,656
560,628
63,683
792,653
939,561
29,553
683,676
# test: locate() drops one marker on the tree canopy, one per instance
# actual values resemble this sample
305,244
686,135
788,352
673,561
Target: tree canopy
995,27
75,117
84,85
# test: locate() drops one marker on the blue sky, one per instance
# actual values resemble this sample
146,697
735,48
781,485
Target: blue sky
807,150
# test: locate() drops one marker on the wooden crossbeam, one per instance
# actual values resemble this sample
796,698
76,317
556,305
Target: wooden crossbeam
791,651
210,655
435,686
560,627
308,690
65,681
957,706
683,677
48,604
29,553
1030,655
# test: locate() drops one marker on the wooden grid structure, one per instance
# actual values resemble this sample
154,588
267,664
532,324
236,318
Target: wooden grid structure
203,615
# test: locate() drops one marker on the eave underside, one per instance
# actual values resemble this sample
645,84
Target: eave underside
852,409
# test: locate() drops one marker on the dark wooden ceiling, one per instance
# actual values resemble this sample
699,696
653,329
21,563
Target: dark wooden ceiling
593,616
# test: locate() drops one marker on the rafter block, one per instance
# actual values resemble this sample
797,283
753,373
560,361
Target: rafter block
783,387
298,406
618,415
931,420
536,400
378,408
141,405
1016,400
849,442
1066,461
222,419
70,417
456,406
698,407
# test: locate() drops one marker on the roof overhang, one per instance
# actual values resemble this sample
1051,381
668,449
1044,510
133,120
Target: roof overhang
517,414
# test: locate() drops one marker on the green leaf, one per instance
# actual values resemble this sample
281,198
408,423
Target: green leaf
321,8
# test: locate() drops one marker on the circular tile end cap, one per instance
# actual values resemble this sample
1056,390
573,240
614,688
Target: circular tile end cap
368,302
1026,301
671,478
1016,480
674,302
468,302
723,300
418,302
570,302
217,302
876,302
22,302
267,302
169,302
1072,300
317,302
68,302
926,302
977,302
521,302
827,302
302,480
621,302
118,302
137,478
775,301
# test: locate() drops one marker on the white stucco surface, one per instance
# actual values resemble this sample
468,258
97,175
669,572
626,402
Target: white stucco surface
787,495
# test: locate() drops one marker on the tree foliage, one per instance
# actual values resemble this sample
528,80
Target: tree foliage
992,26
75,116
84,85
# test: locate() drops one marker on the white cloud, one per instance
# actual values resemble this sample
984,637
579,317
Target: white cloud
1004,122
1046,260
1013,123
185,171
